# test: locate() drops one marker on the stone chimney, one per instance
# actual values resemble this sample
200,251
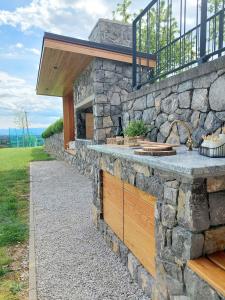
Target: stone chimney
112,32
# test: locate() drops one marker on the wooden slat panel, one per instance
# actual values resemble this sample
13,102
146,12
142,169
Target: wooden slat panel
218,259
89,126
139,225
210,272
215,184
113,203
68,119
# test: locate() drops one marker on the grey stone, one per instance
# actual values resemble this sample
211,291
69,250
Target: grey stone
185,86
200,100
101,98
174,270
168,215
115,99
162,118
204,81
217,208
150,100
133,265
107,110
197,288
149,115
138,115
107,122
174,286
115,110
98,122
98,110
197,136
195,119
221,115
169,104
212,123
165,129
187,245
217,94
214,240
170,195
123,253
193,207
140,104
145,281
184,99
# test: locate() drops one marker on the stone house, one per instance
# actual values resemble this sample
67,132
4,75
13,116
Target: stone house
94,78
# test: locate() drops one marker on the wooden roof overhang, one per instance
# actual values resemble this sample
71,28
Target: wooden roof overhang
63,59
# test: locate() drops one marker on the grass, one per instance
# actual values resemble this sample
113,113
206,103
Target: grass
14,204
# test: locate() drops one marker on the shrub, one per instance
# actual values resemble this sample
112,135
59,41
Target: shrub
56,127
136,128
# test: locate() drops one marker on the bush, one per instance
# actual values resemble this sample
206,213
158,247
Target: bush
56,127
136,128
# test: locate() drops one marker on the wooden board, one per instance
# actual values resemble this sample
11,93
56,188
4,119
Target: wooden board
113,203
68,120
210,272
148,143
215,184
89,122
155,152
139,225
218,259
156,147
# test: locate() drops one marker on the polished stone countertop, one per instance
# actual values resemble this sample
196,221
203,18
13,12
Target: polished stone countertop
186,163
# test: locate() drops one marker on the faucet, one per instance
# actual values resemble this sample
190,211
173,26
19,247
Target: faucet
189,143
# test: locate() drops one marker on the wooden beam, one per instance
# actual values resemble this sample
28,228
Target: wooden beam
95,52
68,119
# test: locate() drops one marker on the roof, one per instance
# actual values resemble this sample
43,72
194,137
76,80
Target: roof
64,58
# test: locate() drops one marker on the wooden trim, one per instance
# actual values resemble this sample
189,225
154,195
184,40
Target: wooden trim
68,119
218,259
210,272
94,52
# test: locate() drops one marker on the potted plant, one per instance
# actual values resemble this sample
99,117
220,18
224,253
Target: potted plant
134,132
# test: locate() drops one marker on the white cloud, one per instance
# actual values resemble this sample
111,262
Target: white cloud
19,45
16,95
60,16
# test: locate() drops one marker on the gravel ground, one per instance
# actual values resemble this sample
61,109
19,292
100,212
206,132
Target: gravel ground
72,260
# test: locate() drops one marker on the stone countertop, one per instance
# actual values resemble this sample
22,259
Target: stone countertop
185,163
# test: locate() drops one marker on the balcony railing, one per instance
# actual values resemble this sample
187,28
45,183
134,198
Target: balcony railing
180,33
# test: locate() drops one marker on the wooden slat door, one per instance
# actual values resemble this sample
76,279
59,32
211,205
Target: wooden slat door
113,203
89,120
139,234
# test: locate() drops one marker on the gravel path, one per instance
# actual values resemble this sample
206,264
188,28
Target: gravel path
72,260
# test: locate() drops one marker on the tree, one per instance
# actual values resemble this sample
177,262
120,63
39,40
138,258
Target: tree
122,11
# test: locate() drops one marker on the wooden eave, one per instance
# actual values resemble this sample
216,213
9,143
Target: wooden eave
63,59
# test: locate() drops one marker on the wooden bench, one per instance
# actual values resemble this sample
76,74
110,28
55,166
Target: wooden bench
211,269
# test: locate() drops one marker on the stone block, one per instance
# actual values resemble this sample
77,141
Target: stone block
185,86
197,288
184,99
107,122
162,118
169,104
140,104
204,81
217,208
216,94
143,169
115,99
133,265
124,254
150,100
149,115
200,100
212,123
214,240
101,98
168,215
145,281
170,194
193,211
187,245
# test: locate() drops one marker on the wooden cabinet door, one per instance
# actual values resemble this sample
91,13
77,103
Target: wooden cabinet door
113,203
89,126
139,234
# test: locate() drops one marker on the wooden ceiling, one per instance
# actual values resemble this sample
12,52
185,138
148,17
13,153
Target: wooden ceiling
63,60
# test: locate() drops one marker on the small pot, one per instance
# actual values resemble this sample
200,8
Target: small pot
132,141
119,140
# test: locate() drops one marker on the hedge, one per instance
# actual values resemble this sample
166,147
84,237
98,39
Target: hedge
56,127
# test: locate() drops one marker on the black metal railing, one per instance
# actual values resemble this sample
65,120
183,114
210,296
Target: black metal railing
180,34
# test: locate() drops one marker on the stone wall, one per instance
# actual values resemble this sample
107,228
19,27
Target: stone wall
81,157
188,223
108,83
196,96
112,32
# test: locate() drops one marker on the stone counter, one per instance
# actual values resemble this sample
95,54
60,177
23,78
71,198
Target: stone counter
189,215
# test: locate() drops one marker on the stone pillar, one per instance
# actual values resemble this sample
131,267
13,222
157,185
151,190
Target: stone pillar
112,32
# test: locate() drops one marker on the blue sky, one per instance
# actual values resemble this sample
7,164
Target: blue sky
22,24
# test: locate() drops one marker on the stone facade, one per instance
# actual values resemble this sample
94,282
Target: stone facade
195,96
185,227
81,157
112,32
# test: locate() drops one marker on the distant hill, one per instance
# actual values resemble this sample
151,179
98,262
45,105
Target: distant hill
15,131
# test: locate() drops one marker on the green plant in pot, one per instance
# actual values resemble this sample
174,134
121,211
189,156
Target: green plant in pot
134,132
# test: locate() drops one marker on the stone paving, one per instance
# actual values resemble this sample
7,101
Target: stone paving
72,260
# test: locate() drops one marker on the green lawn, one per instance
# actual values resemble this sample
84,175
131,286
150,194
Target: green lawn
14,204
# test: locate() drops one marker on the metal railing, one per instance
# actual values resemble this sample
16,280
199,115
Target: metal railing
180,34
